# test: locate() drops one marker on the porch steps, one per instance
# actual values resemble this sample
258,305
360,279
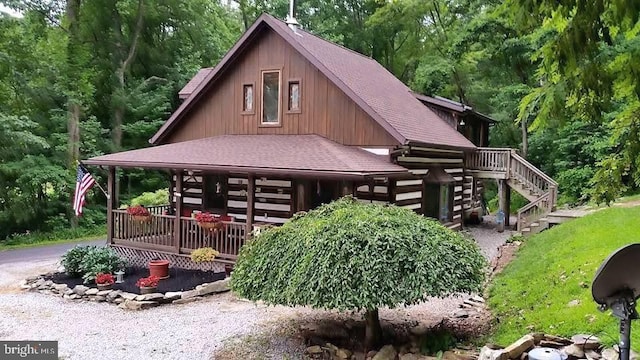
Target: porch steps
554,218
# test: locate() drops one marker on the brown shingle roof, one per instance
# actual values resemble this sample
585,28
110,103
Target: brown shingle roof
191,86
261,154
385,98
449,104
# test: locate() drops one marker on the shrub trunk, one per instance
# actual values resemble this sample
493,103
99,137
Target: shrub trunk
373,330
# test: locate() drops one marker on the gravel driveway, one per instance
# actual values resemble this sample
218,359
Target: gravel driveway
191,331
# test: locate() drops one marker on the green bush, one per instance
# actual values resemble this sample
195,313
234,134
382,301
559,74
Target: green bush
348,255
87,261
72,259
160,197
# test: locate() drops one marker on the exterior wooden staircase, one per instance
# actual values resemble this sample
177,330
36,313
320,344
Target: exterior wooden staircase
514,171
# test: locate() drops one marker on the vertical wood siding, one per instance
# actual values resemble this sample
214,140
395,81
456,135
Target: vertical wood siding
325,109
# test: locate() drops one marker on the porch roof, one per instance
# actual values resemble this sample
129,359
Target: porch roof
302,155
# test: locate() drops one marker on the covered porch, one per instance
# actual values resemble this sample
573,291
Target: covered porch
252,180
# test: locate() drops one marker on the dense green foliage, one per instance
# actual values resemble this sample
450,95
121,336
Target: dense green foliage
80,78
347,255
72,259
160,197
60,235
88,261
556,267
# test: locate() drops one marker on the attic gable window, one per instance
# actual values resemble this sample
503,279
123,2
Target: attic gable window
271,97
247,98
293,105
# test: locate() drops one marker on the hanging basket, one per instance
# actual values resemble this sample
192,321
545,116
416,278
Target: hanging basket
141,218
211,226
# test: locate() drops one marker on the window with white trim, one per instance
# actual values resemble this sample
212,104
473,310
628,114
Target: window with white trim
271,97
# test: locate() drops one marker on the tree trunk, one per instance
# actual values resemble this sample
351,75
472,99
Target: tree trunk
73,102
525,138
125,60
373,330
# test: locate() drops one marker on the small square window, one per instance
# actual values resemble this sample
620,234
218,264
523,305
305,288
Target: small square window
247,96
294,96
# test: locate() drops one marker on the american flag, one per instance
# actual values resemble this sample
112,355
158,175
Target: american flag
84,182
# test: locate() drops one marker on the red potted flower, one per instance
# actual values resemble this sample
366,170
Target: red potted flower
139,213
104,281
209,221
148,285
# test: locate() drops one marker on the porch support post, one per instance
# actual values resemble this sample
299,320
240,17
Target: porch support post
392,191
372,186
177,226
112,199
347,188
507,203
504,198
251,187
301,195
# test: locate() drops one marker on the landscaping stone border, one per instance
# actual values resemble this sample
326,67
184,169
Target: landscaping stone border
124,300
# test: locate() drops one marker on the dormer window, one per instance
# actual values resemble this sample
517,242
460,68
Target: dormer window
271,97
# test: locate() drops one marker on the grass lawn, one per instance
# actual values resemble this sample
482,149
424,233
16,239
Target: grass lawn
57,237
555,268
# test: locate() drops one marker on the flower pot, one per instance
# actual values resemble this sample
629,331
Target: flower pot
159,268
141,218
148,290
102,287
211,226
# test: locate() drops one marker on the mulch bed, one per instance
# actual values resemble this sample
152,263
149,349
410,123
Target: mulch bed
179,279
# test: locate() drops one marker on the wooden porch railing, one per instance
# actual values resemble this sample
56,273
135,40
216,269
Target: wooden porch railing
489,159
227,240
158,209
158,234
517,169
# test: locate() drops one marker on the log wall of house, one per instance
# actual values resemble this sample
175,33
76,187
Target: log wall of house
418,160
273,197
408,194
325,109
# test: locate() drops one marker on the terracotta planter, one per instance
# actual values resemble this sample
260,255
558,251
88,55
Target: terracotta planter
148,290
102,287
159,268
211,226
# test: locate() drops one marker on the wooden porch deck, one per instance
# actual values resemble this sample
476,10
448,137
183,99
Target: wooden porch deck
158,234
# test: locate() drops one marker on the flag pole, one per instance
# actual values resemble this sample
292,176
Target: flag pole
96,182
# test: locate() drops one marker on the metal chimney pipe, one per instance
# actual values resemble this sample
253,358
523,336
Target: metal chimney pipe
291,18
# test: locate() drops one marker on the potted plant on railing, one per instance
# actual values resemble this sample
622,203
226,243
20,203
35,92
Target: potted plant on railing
139,213
148,284
208,221
104,281
204,255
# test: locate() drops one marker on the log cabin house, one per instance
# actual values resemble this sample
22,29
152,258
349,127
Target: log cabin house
287,121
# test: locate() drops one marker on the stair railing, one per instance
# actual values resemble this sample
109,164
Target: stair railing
529,175
517,168
534,211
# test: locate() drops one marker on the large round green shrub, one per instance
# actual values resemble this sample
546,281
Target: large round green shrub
72,259
354,256
88,261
